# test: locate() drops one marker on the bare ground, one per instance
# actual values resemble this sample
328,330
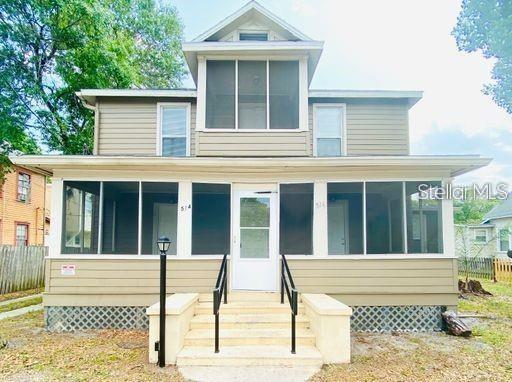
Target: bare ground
32,354
487,356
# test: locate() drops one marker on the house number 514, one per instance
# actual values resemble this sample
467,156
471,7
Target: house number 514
185,208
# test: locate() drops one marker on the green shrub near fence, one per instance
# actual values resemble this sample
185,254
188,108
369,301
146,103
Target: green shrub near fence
21,267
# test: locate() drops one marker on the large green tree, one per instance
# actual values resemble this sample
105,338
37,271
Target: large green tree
49,49
486,26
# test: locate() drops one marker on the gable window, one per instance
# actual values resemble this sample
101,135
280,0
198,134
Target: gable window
23,187
174,127
480,236
504,239
329,130
252,95
253,36
21,234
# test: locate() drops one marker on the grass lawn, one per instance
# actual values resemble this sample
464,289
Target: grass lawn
437,356
20,304
32,354
14,295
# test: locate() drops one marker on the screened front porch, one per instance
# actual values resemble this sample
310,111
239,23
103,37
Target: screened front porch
313,218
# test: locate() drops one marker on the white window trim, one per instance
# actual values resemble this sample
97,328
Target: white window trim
303,88
343,107
475,235
498,245
251,31
159,135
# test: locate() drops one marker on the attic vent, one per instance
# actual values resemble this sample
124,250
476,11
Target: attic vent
254,36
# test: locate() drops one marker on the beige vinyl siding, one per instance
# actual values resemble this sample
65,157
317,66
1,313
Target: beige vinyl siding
379,281
253,144
128,126
125,282
374,127
353,281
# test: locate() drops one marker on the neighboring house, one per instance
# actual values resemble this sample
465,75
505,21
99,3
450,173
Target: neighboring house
493,237
24,219
254,163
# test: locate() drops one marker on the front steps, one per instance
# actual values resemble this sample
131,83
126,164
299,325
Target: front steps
255,329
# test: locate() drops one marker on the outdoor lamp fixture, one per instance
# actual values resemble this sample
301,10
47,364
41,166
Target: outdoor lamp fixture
163,243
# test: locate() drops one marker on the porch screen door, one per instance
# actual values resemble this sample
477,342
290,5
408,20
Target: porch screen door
254,241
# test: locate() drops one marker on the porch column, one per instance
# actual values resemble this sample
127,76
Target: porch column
56,217
320,247
184,231
448,225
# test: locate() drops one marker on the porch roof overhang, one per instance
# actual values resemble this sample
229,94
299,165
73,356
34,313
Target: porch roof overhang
452,165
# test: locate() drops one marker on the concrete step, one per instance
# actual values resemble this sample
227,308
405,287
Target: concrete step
269,355
244,296
236,337
244,307
248,321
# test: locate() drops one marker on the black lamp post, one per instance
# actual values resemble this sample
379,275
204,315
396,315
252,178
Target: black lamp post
163,246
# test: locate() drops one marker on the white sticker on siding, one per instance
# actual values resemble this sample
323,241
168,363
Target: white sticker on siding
67,269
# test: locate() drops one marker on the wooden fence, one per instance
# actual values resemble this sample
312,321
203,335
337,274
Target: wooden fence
503,270
479,267
21,267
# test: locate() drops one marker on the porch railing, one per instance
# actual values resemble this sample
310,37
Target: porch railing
288,285
221,288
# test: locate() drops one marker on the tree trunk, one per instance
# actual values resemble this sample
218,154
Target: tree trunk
455,325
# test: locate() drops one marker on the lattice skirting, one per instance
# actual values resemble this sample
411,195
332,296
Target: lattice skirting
412,318
70,318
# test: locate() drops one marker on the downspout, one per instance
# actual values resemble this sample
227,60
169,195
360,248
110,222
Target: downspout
96,110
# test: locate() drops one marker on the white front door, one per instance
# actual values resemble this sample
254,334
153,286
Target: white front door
255,260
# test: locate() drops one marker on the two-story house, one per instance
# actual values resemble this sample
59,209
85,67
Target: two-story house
253,163
24,212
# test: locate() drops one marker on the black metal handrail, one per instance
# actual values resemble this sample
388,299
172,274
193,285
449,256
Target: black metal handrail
288,285
221,288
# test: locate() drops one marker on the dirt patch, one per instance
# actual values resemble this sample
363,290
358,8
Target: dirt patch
432,357
33,354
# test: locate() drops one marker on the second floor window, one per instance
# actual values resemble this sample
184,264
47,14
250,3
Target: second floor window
174,130
252,95
23,187
21,234
481,236
329,130
504,239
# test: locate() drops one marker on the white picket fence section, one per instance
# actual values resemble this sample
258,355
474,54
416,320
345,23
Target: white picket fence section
21,267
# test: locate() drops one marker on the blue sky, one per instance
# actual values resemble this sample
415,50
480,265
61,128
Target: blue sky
396,44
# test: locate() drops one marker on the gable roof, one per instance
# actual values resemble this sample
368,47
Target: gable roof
502,210
250,10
